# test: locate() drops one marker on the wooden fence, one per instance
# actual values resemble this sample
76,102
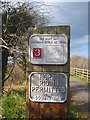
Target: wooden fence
81,72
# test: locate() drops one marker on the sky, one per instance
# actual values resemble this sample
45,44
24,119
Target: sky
50,1
74,14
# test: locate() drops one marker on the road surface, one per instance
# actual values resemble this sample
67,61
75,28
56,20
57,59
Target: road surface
80,90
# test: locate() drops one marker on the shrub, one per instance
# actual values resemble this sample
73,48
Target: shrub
14,105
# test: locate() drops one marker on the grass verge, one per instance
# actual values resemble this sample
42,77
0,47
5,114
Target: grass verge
73,113
14,104
79,78
72,110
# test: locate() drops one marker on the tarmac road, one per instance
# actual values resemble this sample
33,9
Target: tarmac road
81,92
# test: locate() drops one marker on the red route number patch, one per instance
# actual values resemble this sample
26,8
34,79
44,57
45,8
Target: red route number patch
37,52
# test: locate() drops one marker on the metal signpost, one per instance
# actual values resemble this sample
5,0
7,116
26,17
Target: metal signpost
48,72
48,49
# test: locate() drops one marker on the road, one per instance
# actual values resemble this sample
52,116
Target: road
80,90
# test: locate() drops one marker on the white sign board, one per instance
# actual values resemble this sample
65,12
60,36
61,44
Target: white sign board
48,87
48,49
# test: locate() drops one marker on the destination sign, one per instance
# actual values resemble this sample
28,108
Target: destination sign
48,49
48,87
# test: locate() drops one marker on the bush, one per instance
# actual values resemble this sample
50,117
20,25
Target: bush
14,105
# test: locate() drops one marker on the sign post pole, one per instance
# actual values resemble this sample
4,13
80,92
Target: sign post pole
48,71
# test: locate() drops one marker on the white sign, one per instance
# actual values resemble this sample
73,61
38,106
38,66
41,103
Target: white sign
48,49
48,87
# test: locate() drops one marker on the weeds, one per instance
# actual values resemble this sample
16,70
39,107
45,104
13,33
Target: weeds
14,104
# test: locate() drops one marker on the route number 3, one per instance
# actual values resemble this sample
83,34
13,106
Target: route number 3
37,52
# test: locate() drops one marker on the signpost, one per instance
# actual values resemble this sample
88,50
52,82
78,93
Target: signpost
48,49
48,73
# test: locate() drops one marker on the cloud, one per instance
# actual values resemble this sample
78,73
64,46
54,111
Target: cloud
79,41
73,14
79,46
63,0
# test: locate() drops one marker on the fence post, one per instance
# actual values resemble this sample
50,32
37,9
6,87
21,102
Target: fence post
75,71
83,74
87,74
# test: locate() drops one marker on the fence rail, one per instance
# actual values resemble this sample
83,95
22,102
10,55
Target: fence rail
81,72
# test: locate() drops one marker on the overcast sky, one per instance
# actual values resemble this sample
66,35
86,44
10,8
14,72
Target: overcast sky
74,14
51,0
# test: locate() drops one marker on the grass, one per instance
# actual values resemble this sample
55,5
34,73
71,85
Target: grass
73,113
79,78
72,110
14,104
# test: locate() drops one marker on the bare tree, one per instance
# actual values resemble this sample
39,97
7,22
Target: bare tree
79,62
17,22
